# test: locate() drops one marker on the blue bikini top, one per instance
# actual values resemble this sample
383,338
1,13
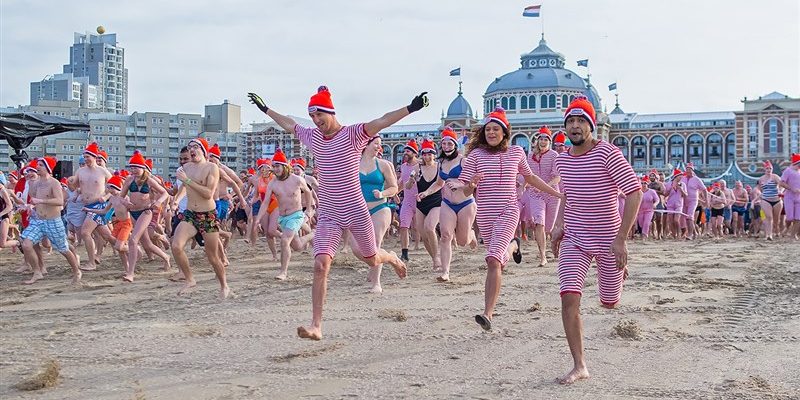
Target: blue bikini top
454,173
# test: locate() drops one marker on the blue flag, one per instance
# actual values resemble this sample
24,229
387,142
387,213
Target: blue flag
583,63
456,72
612,86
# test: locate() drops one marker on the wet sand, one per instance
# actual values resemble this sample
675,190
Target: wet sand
710,319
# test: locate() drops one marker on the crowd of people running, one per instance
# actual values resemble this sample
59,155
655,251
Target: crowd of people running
583,201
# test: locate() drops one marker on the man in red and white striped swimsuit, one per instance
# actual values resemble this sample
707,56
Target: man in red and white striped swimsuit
337,151
589,226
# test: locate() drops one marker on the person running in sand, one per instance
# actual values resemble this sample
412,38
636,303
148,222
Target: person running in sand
227,179
337,151
48,201
408,186
717,201
267,220
91,180
695,190
588,225
289,189
675,190
6,212
490,171
542,207
790,180
378,182
123,225
200,179
458,213
739,209
426,217
647,208
771,204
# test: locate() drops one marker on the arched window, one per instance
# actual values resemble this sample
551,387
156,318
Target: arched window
571,99
676,144
504,102
714,149
552,101
523,103
522,141
622,143
512,103
532,101
387,153
639,151
658,151
543,101
398,153
696,148
564,101
730,148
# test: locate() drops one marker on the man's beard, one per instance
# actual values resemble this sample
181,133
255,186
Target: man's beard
578,142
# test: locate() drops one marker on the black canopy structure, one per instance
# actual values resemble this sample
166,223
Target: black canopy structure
20,129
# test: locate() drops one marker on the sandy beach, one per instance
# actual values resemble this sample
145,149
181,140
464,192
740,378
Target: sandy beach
702,320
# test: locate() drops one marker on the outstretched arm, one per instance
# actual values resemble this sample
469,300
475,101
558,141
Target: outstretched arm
390,118
285,122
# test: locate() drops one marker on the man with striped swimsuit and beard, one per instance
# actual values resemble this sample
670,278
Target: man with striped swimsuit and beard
337,151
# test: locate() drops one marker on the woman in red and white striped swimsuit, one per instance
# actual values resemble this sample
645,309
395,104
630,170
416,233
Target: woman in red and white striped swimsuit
491,167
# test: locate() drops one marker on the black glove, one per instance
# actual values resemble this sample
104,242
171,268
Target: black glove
418,102
256,99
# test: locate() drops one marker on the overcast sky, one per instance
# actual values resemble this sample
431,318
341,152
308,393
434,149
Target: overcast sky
666,56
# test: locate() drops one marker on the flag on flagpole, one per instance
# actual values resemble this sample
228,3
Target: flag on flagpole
583,63
612,86
456,72
532,11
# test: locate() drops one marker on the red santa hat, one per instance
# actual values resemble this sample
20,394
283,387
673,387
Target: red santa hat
104,155
124,173
581,107
137,160
646,179
690,165
279,158
251,171
767,164
203,145
149,164
748,188
115,182
560,138
93,150
31,167
498,116
412,145
63,182
321,101
214,151
262,162
676,173
544,131
795,159
49,163
428,146
448,134
14,174
299,162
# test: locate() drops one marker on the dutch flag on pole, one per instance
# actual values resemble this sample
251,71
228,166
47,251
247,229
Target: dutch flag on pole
532,11
456,72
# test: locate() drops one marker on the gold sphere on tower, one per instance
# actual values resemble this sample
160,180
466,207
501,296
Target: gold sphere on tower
101,30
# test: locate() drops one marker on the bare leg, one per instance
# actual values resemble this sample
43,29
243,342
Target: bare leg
216,263
86,235
286,253
448,221
573,327
319,289
538,234
32,258
183,232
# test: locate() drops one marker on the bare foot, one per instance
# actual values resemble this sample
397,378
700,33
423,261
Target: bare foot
575,375
36,276
187,288
376,289
177,277
313,333
76,278
92,266
225,293
127,278
167,267
398,265
444,278
281,277
24,268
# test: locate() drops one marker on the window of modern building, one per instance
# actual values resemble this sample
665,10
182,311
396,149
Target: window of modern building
752,135
714,149
773,142
676,143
